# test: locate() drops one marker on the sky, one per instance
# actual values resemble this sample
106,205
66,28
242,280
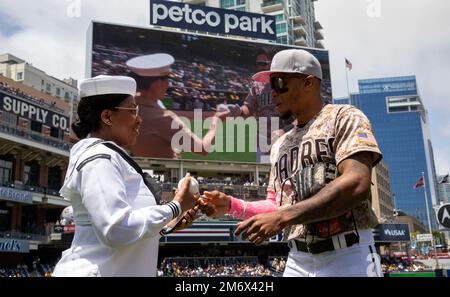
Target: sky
380,37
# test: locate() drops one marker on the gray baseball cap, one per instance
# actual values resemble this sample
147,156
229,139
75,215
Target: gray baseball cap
291,61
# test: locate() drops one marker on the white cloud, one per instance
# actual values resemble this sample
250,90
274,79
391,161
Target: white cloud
55,42
410,37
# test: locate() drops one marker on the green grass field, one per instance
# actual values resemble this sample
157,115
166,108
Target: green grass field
226,154
413,274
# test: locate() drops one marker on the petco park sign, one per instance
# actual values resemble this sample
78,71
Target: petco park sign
207,19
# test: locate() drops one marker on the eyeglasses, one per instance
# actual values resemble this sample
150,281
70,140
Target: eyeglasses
133,110
279,83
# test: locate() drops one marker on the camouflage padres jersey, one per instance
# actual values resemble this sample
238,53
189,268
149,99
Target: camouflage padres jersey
334,134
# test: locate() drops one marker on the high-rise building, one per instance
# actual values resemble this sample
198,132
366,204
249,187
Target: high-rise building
295,19
382,201
20,71
401,126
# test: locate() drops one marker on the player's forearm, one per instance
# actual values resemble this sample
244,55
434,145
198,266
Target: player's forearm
244,210
337,198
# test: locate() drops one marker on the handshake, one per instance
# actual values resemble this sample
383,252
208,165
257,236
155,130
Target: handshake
214,204
257,229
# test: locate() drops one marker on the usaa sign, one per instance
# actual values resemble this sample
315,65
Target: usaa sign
208,19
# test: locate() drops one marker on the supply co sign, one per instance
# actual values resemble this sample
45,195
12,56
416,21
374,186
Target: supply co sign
208,19
33,112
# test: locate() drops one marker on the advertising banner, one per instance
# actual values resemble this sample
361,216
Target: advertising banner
207,74
32,112
209,19
392,233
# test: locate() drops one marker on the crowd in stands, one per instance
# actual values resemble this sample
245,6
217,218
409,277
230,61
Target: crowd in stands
221,267
39,101
169,268
212,270
392,264
35,269
205,84
277,264
218,181
275,267
172,268
197,83
237,181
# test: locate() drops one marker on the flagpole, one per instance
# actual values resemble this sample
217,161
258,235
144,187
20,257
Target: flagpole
348,88
429,220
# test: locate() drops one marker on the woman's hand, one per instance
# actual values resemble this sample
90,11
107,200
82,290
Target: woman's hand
184,197
187,219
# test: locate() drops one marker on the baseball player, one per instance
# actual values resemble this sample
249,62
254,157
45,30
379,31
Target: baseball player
151,73
319,188
259,104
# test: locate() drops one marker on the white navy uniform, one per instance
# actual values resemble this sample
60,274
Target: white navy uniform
117,221
116,217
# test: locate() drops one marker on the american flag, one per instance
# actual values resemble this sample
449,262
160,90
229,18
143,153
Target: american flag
420,183
348,64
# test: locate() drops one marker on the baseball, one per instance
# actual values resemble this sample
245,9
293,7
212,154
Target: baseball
194,188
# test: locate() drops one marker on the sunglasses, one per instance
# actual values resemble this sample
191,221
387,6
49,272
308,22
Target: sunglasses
279,83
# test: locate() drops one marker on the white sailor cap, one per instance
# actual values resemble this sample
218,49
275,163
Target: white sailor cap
105,84
151,65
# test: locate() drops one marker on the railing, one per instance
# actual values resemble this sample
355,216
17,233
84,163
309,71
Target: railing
204,261
29,188
24,236
34,136
234,190
31,99
221,187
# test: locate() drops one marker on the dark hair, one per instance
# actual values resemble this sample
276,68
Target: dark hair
90,110
143,82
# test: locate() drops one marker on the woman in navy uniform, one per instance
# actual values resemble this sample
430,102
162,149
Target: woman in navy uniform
117,219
